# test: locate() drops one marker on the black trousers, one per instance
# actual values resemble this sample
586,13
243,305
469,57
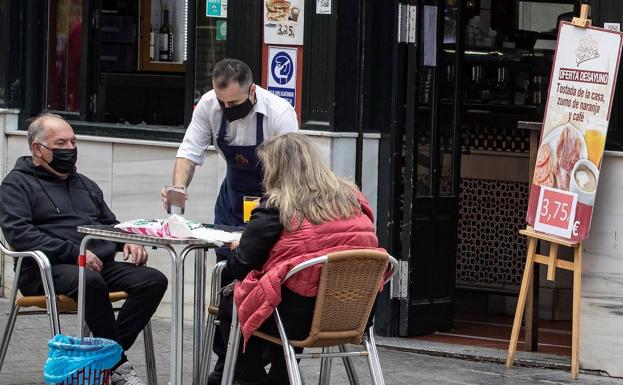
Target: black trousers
296,313
145,287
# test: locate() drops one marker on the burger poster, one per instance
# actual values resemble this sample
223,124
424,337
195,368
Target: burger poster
283,22
574,132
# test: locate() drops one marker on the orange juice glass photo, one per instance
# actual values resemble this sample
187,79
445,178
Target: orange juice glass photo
595,137
248,204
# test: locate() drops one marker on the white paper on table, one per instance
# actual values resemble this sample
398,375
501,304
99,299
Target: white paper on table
179,227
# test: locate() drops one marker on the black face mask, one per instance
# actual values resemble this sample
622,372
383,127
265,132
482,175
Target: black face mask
63,159
239,111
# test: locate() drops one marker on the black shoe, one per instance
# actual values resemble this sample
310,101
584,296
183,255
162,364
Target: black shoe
217,374
215,378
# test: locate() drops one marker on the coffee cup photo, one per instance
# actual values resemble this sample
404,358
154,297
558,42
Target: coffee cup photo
584,179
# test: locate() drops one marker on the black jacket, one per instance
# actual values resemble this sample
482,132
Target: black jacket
39,211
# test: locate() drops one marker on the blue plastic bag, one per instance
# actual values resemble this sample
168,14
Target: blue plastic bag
68,355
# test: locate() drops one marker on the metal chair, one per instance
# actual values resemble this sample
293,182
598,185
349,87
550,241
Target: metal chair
53,309
211,323
348,286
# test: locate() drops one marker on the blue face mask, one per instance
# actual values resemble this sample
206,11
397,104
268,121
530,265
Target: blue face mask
63,159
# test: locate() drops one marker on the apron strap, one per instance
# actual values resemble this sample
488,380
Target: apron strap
259,126
223,128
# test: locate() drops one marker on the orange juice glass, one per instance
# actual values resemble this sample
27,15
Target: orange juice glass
595,137
248,204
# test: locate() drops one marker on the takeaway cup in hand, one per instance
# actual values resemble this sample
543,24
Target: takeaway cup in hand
248,204
176,199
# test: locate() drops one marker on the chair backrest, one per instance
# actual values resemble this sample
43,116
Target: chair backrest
349,283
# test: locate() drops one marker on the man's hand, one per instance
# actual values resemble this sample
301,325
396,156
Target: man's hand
233,245
139,255
93,262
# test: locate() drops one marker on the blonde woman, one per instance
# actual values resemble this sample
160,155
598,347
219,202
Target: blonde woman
307,211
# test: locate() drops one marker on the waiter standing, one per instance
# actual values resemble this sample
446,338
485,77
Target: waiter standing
236,116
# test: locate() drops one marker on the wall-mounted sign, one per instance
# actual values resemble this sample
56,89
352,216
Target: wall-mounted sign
323,7
282,72
284,22
216,8
573,138
221,30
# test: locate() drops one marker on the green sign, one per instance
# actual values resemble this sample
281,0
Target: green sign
221,30
213,8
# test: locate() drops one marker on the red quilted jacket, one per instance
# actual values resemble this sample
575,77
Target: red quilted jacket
257,296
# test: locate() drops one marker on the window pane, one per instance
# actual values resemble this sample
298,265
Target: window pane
210,48
65,36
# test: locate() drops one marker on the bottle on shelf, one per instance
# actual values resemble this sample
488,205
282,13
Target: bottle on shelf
536,90
447,89
153,34
501,89
476,90
165,38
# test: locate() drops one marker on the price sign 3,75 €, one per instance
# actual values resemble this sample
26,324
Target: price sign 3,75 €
556,213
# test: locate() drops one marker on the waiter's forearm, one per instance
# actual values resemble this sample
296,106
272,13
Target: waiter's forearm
183,172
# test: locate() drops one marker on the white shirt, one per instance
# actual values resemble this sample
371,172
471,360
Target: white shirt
279,118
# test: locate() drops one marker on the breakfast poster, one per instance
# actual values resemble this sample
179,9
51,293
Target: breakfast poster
283,22
573,138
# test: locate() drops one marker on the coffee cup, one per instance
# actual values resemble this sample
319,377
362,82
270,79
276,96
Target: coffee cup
584,178
176,199
294,14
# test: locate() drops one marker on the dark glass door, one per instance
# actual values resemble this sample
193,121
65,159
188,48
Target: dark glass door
432,166
64,55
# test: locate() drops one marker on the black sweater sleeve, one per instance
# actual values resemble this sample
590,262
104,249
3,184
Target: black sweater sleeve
258,238
16,221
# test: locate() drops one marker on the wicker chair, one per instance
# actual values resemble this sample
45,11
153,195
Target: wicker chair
53,309
348,286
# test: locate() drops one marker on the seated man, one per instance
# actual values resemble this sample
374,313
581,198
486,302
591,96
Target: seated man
42,201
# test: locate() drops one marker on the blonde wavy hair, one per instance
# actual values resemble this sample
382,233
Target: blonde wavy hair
301,186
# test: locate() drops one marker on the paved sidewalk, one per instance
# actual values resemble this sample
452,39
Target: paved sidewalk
28,350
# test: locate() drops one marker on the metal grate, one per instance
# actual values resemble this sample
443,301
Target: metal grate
490,252
495,138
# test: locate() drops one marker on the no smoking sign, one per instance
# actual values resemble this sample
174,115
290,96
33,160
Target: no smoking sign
282,72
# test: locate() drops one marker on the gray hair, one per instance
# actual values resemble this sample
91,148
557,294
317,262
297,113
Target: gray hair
228,70
36,129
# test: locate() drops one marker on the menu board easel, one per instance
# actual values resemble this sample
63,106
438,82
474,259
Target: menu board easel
569,158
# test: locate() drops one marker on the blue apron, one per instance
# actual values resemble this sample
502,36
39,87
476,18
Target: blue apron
244,176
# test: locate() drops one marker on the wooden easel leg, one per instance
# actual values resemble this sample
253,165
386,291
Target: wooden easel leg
521,301
575,330
531,315
553,257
